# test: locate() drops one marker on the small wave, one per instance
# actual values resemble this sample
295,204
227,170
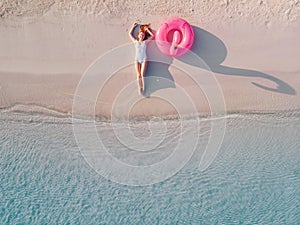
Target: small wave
32,112
32,108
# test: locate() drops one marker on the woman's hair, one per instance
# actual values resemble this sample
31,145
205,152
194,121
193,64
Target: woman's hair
141,31
143,28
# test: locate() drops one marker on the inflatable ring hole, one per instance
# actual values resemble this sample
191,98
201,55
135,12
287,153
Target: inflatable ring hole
170,35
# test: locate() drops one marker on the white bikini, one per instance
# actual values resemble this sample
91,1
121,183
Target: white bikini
140,51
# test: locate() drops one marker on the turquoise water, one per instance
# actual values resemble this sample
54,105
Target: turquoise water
255,178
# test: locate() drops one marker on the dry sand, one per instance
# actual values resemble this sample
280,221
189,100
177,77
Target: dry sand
251,47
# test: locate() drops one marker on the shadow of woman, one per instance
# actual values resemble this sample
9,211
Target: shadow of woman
213,52
158,75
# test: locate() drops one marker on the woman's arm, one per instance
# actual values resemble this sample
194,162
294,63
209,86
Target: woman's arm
149,32
131,31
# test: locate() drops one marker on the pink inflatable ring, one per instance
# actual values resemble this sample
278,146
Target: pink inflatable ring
174,37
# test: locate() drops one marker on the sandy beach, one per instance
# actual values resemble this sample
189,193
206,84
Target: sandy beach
252,50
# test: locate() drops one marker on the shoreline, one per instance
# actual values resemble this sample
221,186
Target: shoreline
33,111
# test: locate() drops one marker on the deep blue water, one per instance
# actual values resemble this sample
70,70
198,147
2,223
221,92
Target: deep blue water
254,179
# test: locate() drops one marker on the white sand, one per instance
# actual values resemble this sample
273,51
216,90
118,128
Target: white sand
47,45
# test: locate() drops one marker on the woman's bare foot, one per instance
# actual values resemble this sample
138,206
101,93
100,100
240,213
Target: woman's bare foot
141,91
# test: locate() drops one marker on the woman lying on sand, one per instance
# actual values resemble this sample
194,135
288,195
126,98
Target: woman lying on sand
141,55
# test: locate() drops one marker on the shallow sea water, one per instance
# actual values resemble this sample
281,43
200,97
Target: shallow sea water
254,179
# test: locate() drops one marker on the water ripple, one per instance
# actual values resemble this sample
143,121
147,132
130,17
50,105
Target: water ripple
255,178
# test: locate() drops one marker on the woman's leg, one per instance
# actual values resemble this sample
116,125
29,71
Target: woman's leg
139,76
143,72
